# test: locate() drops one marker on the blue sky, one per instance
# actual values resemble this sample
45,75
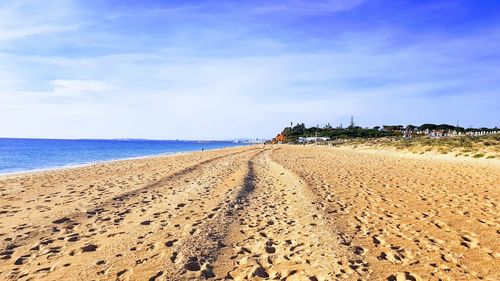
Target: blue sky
230,69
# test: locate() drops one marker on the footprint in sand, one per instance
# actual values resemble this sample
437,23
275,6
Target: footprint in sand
469,241
89,248
404,276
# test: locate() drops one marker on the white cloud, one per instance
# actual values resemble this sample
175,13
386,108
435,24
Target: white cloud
75,88
234,82
307,6
24,18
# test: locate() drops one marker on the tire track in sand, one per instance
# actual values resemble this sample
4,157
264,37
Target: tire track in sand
194,256
240,217
129,238
73,219
281,234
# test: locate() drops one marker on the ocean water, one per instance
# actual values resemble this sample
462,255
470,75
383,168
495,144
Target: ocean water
17,155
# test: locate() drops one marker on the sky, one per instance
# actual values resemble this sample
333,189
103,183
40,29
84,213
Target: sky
236,69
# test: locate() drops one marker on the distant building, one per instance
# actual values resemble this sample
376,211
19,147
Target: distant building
312,139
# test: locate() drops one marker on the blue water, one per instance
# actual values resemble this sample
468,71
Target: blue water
33,154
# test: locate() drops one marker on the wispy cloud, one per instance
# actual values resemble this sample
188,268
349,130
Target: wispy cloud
175,71
75,88
305,7
25,18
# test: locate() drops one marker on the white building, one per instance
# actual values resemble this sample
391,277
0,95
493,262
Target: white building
312,139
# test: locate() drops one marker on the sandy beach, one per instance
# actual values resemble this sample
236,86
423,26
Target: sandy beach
254,213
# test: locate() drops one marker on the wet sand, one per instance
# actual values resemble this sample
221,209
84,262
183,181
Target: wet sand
255,213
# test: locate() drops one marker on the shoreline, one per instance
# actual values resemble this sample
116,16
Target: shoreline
432,156
101,162
375,215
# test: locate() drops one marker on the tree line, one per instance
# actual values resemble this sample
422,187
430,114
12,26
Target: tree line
353,131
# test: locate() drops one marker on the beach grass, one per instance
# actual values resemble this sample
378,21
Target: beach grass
466,146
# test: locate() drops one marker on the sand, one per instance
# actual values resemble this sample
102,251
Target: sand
260,212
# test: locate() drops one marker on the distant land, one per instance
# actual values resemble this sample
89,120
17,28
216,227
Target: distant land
299,132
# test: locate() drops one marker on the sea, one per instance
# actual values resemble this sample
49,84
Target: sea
23,155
